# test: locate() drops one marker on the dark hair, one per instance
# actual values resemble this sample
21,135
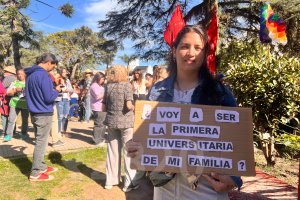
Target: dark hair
60,72
148,74
46,57
97,77
139,80
209,82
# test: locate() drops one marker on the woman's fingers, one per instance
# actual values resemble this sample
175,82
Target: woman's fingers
220,183
132,148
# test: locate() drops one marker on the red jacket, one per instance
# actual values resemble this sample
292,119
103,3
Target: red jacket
4,101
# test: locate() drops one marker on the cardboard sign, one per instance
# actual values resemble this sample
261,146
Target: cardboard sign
195,139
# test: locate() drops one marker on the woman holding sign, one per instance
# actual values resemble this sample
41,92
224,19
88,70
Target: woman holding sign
190,81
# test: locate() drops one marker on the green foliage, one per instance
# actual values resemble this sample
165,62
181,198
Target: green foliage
267,82
82,48
67,10
291,144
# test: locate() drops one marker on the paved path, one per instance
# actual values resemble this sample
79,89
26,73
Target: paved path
260,187
81,137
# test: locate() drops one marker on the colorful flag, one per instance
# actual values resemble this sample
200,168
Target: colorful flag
212,33
174,26
272,27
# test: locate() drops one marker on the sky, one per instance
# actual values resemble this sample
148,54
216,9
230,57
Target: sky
86,12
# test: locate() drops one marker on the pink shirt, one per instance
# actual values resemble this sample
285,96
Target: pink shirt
97,94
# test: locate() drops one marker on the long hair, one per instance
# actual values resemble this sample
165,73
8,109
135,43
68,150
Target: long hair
156,72
97,77
139,80
208,81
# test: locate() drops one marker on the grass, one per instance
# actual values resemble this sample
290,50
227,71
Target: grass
81,167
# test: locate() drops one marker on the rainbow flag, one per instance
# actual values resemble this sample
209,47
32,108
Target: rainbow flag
272,27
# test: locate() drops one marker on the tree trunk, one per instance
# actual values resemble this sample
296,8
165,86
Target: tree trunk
74,71
16,51
15,43
269,151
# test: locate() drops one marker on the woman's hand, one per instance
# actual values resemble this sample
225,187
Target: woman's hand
132,148
220,183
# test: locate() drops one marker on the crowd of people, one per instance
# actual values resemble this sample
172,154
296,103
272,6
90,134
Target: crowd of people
52,99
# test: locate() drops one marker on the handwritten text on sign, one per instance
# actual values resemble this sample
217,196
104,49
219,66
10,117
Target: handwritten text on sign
189,138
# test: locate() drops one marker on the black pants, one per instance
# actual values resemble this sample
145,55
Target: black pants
99,127
139,97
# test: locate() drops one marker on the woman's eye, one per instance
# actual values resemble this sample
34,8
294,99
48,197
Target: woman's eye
198,48
184,47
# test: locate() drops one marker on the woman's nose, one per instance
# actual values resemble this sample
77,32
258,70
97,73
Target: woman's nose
191,51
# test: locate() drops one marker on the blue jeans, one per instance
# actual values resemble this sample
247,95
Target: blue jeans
88,110
4,120
63,108
11,125
73,107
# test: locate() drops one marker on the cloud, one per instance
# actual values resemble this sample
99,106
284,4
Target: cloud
96,10
46,27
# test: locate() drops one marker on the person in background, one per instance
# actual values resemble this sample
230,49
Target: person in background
40,96
85,95
2,101
74,102
163,73
17,104
149,78
156,70
139,85
63,105
190,82
9,77
55,134
98,108
119,119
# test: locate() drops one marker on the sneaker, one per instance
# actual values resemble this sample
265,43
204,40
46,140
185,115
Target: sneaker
41,177
7,138
49,170
130,187
58,144
108,187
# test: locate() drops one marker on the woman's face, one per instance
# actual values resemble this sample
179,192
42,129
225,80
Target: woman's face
189,53
163,73
136,75
101,81
64,73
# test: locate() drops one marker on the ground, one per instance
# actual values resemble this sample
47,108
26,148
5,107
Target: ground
81,173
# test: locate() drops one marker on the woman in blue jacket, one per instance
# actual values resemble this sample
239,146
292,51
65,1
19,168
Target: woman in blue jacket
190,81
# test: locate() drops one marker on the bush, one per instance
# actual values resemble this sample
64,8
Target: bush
265,81
290,145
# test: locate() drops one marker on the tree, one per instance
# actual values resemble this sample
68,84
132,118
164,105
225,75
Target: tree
144,21
108,52
19,25
80,48
266,82
127,59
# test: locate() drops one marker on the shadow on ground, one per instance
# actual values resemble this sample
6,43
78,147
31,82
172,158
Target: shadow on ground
21,160
86,131
144,192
